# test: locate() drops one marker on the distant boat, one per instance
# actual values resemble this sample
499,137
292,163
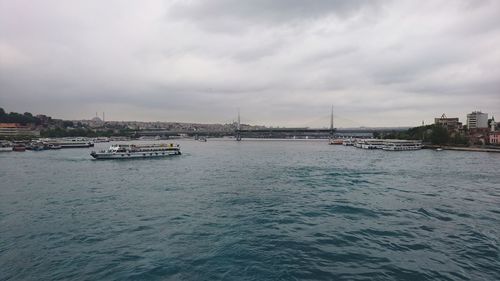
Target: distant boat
101,139
5,147
71,143
36,146
439,149
402,145
128,151
19,147
386,144
202,139
348,142
371,143
336,141
54,146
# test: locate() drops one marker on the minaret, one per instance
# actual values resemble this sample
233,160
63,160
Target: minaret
103,117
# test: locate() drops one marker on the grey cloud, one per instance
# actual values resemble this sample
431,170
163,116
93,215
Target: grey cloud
281,62
272,11
236,16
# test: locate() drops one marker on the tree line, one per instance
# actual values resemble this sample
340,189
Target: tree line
14,117
435,134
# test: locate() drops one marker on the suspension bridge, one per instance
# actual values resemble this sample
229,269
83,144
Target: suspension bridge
239,132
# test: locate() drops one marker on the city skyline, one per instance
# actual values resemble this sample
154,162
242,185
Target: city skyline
283,63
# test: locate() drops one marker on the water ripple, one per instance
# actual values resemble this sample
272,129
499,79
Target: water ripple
251,211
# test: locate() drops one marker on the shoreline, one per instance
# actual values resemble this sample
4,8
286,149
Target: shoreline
459,148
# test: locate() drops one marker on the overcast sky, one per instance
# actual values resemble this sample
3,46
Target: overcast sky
379,63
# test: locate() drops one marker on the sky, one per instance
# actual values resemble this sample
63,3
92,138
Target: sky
281,63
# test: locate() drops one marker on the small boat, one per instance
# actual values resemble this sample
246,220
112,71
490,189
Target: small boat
348,142
19,147
5,147
202,139
128,151
36,146
54,146
101,139
439,149
336,141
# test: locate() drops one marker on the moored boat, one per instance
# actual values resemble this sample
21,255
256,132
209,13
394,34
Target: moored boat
54,146
402,145
36,146
128,151
71,143
5,147
336,141
101,139
19,147
348,142
372,144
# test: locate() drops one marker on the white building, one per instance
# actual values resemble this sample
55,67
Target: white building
15,129
477,120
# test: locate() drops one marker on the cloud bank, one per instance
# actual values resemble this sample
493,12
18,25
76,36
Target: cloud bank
379,63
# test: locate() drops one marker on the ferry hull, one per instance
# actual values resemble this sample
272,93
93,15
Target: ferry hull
402,148
135,155
72,145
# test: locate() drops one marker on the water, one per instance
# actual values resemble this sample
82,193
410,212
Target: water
255,210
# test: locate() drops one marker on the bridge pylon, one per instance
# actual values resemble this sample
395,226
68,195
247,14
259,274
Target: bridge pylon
332,130
238,128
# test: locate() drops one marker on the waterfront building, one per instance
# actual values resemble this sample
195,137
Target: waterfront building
16,129
96,122
451,124
493,135
495,138
477,120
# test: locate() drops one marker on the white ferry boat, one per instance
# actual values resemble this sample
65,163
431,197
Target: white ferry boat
70,143
101,139
348,142
127,151
5,147
357,143
371,144
402,145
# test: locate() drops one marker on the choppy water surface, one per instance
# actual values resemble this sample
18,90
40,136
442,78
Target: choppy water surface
255,210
